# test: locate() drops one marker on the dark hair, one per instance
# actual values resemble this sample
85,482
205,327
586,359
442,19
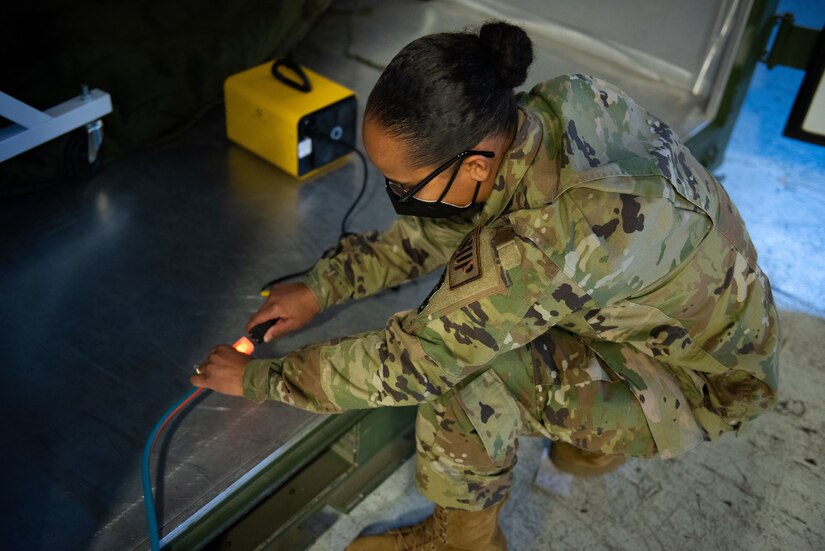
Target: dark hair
443,93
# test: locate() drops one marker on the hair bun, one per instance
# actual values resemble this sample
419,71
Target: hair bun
510,50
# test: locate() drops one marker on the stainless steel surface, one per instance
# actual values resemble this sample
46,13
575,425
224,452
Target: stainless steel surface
112,290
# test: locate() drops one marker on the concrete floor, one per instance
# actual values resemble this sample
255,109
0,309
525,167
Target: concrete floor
762,490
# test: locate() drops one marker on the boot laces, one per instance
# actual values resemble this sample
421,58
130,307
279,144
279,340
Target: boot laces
427,535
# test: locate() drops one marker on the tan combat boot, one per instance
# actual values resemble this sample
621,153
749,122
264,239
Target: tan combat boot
570,459
444,530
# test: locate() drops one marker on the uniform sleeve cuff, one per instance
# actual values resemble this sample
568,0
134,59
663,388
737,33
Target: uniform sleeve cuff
316,287
256,379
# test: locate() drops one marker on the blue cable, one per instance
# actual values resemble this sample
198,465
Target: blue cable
148,500
256,334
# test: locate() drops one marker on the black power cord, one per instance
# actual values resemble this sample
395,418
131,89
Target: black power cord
344,221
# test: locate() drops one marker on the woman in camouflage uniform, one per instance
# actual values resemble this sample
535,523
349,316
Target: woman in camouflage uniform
600,287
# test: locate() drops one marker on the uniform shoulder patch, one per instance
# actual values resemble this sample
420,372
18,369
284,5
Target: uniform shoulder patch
465,265
474,271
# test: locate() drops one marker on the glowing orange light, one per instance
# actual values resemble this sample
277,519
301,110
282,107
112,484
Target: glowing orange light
244,346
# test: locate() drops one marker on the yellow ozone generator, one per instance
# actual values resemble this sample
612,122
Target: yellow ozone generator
298,124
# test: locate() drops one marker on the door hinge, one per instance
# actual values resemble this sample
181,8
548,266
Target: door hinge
792,45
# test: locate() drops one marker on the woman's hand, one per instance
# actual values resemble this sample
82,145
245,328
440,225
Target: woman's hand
292,304
222,371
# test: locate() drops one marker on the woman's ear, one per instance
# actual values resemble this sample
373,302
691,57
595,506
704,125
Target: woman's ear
479,167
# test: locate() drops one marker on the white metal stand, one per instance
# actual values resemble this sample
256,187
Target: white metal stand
33,127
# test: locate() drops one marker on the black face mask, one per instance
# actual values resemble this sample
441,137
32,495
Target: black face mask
405,202
435,209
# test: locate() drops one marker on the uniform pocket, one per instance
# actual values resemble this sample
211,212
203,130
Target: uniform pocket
493,412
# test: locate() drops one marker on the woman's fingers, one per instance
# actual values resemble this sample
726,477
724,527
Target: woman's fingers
264,314
282,327
292,304
222,371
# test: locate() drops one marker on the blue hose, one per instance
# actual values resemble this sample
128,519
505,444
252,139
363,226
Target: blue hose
148,500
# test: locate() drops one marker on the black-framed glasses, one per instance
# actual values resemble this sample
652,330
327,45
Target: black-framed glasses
404,194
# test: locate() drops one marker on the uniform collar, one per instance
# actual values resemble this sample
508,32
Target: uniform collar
516,161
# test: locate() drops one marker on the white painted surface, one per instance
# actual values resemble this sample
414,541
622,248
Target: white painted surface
815,118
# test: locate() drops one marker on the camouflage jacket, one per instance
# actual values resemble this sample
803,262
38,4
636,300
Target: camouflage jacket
600,222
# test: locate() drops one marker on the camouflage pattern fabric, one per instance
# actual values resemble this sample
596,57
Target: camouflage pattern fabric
466,440
601,226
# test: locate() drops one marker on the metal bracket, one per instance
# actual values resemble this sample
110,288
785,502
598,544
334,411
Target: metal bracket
792,45
94,131
31,127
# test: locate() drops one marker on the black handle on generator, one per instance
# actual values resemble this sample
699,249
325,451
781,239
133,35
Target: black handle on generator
303,86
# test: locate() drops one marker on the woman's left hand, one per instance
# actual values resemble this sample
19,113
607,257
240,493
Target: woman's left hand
222,371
